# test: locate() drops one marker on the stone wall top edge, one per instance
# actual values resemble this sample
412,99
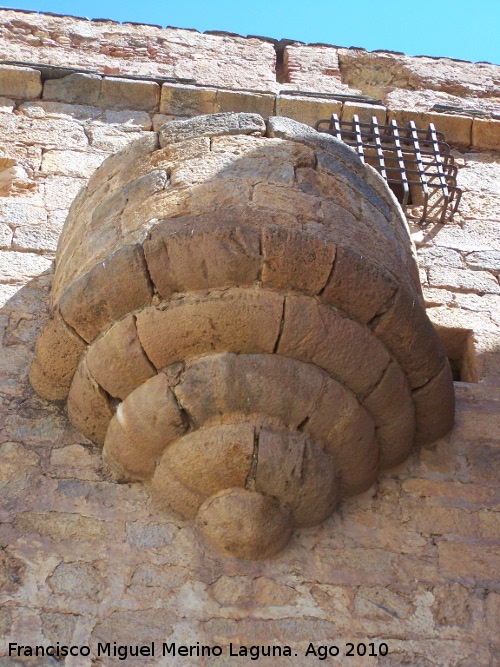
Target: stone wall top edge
279,44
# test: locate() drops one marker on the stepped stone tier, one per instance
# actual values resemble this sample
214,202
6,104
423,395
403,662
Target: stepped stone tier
237,318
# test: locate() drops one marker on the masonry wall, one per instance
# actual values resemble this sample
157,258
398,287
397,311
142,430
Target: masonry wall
413,562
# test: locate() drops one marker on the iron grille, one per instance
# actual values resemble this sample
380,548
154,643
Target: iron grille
417,164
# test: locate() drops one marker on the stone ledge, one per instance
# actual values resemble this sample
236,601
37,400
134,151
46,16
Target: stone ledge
187,100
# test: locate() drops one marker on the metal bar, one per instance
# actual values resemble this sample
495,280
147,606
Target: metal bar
359,140
402,168
378,144
420,166
440,170
336,125
409,157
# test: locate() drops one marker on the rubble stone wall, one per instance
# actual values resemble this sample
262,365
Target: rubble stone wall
414,561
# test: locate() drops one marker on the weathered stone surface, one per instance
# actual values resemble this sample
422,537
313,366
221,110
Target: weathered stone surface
57,352
46,132
79,579
215,125
457,129
107,292
17,267
434,408
294,469
147,421
272,386
239,102
325,337
487,260
306,110
349,432
62,526
202,463
117,361
314,68
185,100
406,330
264,525
220,256
20,82
149,51
378,73
391,406
358,287
71,163
486,133
364,112
235,321
295,260
129,94
479,282
77,88
88,405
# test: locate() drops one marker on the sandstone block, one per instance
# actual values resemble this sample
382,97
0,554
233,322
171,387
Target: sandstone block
172,495
296,470
456,129
323,336
365,112
349,432
184,100
211,126
18,267
117,360
391,406
88,405
245,524
77,88
270,387
71,163
57,352
434,407
238,102
486,133
147,421
358,286
20,82
295,260
236,321
307,110
487,260
287,128
480,282
129,94
220,256
408,333
119,169
205,462
91,304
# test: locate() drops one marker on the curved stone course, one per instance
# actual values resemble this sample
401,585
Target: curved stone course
237,318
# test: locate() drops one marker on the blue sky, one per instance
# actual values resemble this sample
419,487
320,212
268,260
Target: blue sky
465,29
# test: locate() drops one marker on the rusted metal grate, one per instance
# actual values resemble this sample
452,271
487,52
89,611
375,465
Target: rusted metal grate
417,164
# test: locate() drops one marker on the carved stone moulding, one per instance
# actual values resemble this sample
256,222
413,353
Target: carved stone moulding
237,319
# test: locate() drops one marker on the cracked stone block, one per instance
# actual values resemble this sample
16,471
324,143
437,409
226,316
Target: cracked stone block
240,324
